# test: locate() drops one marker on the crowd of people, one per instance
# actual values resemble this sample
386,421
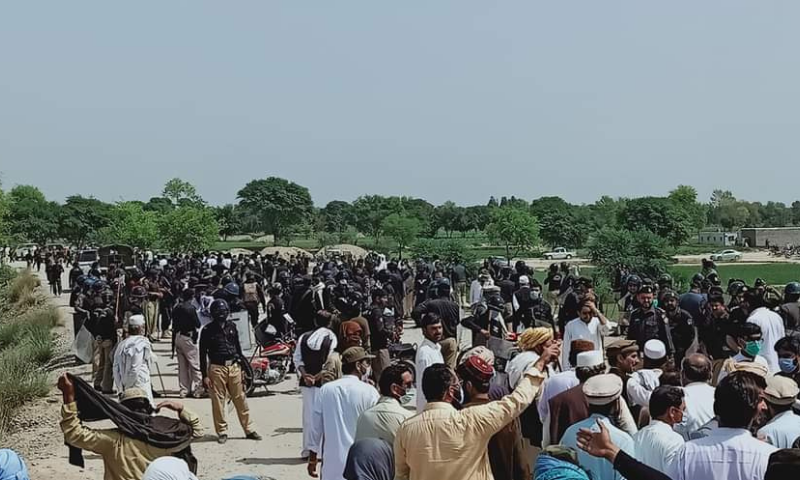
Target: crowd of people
515,378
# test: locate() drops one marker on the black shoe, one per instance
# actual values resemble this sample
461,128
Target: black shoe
222,439
253,436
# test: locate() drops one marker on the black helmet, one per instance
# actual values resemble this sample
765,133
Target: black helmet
735,287
698,279
665,279
633,280
792,288
496,303
713,278
219,310
232,289
760,283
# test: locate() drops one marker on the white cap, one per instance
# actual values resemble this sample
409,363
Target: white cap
591,358
136,321
655,349
524,280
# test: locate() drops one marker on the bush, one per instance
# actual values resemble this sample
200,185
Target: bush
20,379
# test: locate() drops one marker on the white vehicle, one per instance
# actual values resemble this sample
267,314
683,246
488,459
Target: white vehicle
86,258
559,253
726,256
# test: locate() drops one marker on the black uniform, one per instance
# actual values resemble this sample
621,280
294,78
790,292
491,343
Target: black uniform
682,329
790,312
649,324
219,345
447,309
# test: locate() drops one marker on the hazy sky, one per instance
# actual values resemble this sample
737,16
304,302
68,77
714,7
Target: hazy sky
446,100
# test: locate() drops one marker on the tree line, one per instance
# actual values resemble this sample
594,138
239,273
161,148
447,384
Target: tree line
180,220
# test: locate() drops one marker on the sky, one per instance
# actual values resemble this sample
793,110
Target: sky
444,100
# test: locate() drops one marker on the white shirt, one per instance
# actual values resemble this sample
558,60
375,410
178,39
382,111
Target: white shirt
725,454
699,397
226,262
428,353
475,292
657,444
558,383
336,411
315,340
772,330
132,359
577,329
519,365
641,386
783,430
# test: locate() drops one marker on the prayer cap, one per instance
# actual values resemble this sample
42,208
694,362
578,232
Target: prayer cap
602,389
591,358
655,349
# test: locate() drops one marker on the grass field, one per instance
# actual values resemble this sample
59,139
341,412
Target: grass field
772,273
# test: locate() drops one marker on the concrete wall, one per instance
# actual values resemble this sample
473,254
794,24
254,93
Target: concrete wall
722,239
780,237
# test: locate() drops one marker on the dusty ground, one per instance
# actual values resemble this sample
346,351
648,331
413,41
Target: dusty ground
37,436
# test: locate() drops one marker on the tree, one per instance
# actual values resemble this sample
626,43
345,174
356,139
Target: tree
476,217
549,205
370,211
188,229
685,197
159,205
131,225
280,205
514,228
448,217
643,252
81,218
336,216
3,215
562,230
402,229
31,216
660,216
423,211
228,220
182,193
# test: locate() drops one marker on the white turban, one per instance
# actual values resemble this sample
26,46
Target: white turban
168,468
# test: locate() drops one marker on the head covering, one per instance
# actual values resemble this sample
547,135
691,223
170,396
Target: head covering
355,354
133,393
591,358
753,367
781,390
475,369
481,351
350,334
369,459
783,464
136,321
168,468
580,346
533,337
524,280
602,389
11,466
621,346
655,349
551,468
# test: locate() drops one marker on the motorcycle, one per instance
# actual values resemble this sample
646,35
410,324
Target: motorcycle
271,361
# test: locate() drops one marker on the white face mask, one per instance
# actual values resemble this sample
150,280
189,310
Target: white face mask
410,396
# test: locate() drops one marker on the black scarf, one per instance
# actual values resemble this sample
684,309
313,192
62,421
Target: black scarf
156,431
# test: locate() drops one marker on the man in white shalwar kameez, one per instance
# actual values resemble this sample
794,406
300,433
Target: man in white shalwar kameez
336,410
309,358
132,359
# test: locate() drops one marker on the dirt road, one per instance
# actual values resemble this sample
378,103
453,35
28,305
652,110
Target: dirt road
276,414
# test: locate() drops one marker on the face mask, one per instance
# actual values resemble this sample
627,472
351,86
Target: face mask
788,365
458,400
409,397
367,374
752,347
680,427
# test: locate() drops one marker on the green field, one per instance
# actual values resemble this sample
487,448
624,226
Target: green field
773,273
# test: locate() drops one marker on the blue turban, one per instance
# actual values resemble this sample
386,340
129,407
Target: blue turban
551,468
11,466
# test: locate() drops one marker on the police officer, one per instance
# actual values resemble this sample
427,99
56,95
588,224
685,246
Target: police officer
649,322
220,354
681,325
252,296
790,310
530,309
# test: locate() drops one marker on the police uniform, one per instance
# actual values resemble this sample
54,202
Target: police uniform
648,324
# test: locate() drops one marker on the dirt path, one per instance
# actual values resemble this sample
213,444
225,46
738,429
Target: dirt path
36,434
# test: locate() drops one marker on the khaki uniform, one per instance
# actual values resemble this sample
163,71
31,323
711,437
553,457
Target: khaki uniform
226,379
190,378
103,364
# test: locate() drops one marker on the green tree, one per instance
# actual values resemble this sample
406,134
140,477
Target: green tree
336,216
188,229
31,216
228,220
448,217
476,217
562,230
685,197
160,205
370,211
402,229
3,215
549,205
281,206
181,193
131,225
660,216
81,218
423,211
640,251
513,228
